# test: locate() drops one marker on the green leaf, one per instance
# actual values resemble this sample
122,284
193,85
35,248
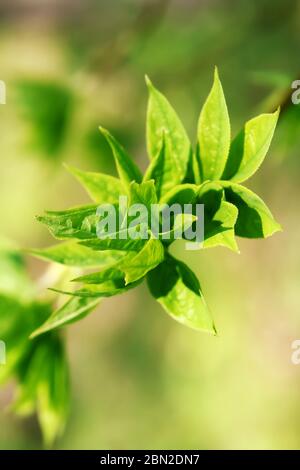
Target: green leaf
213,133
211,195
131,268
114,274
44,385
127,169
14,280
250,147
114,244
220,230
143,193
162,120
254,218
182,222
156,171
105,283
17,321
79,222
181,194
101,188
148,258
178,290
73,310
47,107
71,253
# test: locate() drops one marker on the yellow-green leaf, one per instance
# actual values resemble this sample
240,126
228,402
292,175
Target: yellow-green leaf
250,147
213,133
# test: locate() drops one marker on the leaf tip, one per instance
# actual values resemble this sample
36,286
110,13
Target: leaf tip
34,334
216,73
103,131
148,82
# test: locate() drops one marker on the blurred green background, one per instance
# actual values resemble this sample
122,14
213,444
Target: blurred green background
139,379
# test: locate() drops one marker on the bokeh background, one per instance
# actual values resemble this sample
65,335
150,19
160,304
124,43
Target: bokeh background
140,380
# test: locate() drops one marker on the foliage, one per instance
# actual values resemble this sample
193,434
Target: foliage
211,174
39,366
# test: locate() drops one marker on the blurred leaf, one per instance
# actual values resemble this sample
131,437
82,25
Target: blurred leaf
181,194
14,280
47,106
177,289
150,256
213,134
250,147
155,171
44,385
17,321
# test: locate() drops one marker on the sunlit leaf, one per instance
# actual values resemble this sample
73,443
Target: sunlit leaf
178,290
73,310
127,169
101,188
79,222
213,134
164,124
254,218
71,253
250,147
44,386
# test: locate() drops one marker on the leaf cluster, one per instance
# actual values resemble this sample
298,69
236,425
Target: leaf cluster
209,174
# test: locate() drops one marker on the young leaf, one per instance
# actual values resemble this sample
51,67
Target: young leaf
178,290
156,171
213,133
143,193
104,288
127,169
73,310
79,222
114,244
181,194
17,321
131,268
148,258
44,385
163,120
254,218
250,147
101,188
220,230
210,194
71,253
113,273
